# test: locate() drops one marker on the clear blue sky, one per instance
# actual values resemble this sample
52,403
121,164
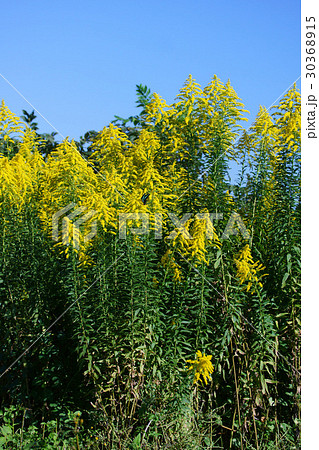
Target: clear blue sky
78,62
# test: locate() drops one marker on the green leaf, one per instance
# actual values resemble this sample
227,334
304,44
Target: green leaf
6,430
137,441
285,277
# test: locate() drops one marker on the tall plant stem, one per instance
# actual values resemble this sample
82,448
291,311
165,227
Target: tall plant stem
251,395
237,393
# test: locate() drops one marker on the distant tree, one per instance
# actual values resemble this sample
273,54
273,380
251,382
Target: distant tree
29,119
132,125
84,145
48,142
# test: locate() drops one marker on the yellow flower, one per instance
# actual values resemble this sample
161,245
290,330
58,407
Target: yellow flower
197,245
247,269
202,366
10,125
168,261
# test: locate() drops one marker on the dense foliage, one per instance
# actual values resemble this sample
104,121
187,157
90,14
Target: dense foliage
100,323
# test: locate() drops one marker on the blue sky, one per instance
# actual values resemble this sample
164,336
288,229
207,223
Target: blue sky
78,62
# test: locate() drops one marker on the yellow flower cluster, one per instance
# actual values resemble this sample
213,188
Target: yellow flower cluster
194,245
202,366
10,125
247,269
16,181
169,262
289,123
209,110
124,171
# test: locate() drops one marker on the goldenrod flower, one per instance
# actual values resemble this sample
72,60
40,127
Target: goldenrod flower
168,261
10,124
202,365
247,269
